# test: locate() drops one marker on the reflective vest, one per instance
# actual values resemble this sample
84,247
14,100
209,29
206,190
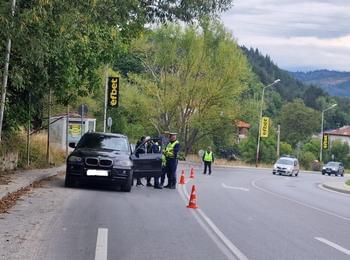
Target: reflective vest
169,150
208,157
163,160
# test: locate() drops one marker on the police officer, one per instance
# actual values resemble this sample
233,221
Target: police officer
208,158
170,153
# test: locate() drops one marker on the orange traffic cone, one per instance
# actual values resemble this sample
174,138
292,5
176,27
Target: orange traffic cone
192,204
192,173
182,178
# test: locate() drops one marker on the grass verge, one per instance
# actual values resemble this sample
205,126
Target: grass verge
18,143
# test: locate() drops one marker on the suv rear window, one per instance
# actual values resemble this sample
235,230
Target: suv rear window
97,141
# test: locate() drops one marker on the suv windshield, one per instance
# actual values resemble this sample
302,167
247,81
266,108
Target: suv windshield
97,141
285,161
332,164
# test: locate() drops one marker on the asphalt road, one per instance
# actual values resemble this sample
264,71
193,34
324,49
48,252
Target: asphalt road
243,213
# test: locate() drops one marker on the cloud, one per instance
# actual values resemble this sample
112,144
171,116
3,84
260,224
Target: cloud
320,27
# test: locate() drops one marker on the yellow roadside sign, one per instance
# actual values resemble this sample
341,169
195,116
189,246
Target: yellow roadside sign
74,130
264,131
325,142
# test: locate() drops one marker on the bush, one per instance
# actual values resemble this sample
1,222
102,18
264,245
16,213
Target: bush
306,159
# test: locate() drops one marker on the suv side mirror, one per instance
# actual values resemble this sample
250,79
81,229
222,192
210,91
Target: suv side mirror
72,145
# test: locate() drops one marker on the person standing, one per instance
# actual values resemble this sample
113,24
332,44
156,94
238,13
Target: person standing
208,159
171,152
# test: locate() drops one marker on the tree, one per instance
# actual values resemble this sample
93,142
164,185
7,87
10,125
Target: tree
298,122
60,44
193,79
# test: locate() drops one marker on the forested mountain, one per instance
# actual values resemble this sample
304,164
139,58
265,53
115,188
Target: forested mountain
292,87
333,82
267,71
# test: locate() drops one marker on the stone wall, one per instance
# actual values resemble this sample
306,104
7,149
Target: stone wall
8,161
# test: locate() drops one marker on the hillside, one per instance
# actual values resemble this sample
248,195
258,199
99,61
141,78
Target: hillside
333,82
267,71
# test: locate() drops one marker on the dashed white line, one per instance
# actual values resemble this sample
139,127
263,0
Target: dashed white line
334,245
233,188
101,244
229,245
253,183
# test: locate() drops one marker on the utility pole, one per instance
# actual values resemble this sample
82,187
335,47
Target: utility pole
6,73
105,103
67,130
260,116
278,140
48,129
28,130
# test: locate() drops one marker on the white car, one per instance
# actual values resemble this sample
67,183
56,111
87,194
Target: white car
286,166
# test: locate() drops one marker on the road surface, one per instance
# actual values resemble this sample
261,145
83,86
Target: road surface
243,214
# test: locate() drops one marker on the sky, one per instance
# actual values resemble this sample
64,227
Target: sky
298,35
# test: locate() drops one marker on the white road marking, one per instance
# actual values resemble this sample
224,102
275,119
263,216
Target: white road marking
101,244
334,245
229,245
234,188
253,183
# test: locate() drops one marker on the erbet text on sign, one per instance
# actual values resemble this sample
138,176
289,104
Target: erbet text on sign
325,141
113,92
264,131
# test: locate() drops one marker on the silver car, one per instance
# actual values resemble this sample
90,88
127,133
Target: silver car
286,166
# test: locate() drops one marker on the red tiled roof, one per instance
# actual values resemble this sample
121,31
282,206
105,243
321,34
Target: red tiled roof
242,124
343,131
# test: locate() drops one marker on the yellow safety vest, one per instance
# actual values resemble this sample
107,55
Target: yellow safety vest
169,150
208,157
163,160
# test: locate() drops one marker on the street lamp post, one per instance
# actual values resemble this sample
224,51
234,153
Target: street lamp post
322,116
260,116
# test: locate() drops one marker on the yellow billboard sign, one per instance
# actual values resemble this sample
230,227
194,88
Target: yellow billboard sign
264,131
113,92
325,142
74,130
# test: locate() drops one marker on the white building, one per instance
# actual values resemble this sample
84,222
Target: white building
341,134
76,127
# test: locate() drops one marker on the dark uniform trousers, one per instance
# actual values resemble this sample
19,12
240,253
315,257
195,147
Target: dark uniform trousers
207,165
171,164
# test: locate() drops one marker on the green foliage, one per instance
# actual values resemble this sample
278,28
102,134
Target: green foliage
340,150
313,146
306,159
285,148
193,78
247,147
298,122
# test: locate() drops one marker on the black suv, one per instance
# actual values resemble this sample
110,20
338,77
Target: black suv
108,159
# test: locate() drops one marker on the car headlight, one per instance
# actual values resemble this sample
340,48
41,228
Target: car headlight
124,163
74,159
324,167
275,167
334,169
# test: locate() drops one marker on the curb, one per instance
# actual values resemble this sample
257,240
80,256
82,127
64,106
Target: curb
330,187
26,183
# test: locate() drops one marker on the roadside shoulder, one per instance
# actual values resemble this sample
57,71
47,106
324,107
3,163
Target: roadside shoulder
23,179
337,186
